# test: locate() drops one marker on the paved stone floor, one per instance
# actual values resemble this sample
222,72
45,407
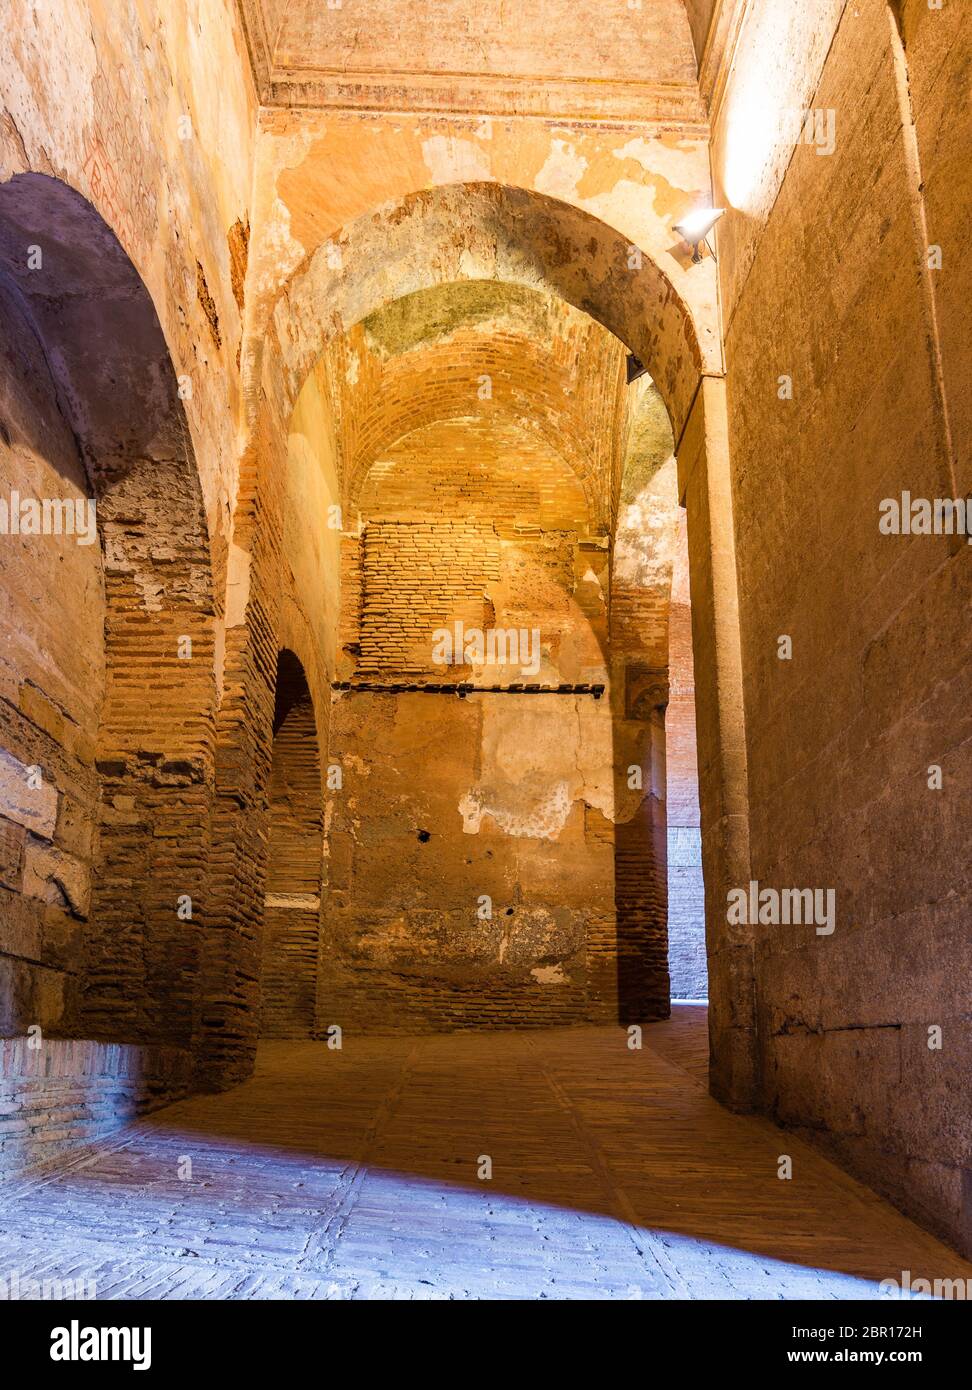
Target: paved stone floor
354,1174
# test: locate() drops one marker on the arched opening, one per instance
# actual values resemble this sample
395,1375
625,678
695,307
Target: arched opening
659,873
291,923
434,414
111,708
487,231
487,235
640,595
686,887
470,842
404,258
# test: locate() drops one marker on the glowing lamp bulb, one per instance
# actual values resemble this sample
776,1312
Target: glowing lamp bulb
696,226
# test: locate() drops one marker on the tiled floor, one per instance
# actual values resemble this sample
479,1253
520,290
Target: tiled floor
355,1174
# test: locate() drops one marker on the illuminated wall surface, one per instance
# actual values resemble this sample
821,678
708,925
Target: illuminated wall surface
482,667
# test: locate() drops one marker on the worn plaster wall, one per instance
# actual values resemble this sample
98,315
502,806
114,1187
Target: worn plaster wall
830,288
319,172
120,104
470,862
552,43
313,523
470,845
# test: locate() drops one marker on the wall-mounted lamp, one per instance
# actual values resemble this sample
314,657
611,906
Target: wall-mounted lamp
635,368
695,229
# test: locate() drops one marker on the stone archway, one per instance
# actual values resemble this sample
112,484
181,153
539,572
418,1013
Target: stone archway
488,232
485,231
471,865
140,831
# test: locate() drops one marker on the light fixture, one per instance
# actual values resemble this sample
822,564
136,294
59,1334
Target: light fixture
695,228
635,368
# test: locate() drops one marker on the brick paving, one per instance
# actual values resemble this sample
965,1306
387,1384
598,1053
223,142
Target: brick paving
354,1174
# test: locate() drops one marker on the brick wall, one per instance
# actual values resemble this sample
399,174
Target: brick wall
62,1095
93,691
51,686
417,577
120,953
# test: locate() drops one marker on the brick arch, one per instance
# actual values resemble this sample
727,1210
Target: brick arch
117,390
528,384
486,231
294,634
450,233
291,924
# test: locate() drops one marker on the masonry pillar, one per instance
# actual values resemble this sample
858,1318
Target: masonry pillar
704,483
229,988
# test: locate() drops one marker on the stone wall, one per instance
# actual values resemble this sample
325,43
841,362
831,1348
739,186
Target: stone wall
848,358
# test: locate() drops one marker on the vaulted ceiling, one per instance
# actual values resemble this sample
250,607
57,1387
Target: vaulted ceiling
550,56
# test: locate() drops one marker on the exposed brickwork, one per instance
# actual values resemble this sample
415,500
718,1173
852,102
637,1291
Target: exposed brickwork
130,973
417,577
519,356
228,994
58,1095
401,401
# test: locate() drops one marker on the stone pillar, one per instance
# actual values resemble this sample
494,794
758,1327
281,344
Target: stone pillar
704,483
